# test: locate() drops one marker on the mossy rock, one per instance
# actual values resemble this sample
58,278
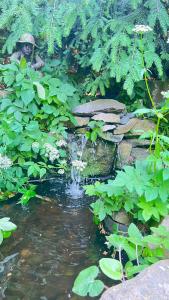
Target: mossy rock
100,158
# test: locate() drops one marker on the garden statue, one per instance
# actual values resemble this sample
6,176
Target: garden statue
26,48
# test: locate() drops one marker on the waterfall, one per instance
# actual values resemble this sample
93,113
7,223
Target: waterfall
76,146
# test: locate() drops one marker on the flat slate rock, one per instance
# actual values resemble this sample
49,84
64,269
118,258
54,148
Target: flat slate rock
110,137
121,129
150,284
81,121
106,128
135,126
107,117
99,105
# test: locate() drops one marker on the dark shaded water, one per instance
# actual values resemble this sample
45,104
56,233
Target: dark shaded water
54,241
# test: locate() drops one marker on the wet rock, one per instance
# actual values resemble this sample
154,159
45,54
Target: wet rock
107,118
100,158
121,129
25,253
124,154
118,221
150,284
99,105
106,128
109,136
139,153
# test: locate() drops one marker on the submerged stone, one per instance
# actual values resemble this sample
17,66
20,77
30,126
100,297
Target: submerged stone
150,284
99,105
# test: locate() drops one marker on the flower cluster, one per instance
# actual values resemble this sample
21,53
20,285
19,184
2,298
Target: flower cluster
35,146
79,164
142,28
165,94
51,152
61,143
5,162
61,171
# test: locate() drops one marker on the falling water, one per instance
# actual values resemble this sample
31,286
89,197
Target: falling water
77,146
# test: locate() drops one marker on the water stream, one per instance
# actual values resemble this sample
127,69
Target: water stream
77,146
53,242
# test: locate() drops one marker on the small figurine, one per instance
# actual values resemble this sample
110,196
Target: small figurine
26,48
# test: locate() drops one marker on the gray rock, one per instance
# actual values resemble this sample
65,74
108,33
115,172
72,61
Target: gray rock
110,137
107,117
121,129
135,142
106,128
100,105
150,284
139,153
125,118
124,154
100,158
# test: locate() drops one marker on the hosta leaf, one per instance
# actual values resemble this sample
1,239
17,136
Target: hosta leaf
112,268
82,284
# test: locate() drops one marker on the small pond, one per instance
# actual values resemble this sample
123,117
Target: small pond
52,243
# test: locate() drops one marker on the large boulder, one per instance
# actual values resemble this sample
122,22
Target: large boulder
100,105
150,284
100,158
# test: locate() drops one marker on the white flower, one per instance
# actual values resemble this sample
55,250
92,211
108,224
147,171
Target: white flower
5,162
63,162
142,28
165,94
79,153
35,145
61,143
79,164
61,171
51,152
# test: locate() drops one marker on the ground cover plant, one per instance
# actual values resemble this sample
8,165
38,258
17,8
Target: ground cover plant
33,133
142,191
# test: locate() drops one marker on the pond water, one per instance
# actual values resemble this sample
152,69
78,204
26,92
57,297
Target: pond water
53,242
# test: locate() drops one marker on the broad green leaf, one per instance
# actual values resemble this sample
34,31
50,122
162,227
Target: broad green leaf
133,231
27,96
96,288
112,268
83,282
6,224
40,90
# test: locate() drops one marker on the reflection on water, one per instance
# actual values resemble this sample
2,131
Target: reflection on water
54,241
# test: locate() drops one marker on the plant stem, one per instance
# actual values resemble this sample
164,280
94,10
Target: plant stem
137,255
120,259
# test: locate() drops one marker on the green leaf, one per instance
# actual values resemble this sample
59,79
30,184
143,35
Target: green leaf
112,268
40,90
96,288
166,174
7,225
27,96
82,284
133,231
151,193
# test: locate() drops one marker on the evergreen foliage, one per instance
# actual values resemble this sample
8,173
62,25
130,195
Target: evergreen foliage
96,34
